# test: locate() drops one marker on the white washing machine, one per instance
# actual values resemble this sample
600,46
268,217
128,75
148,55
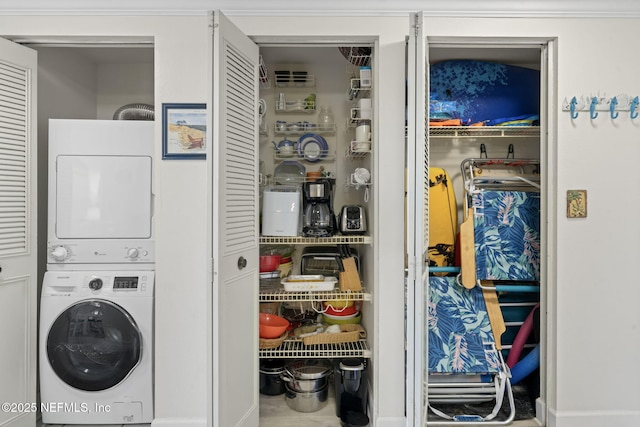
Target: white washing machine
96,347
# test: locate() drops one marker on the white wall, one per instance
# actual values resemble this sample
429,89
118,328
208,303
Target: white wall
180,350
121,84
66,89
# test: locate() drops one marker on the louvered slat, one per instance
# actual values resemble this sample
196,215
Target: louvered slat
13,159
240,155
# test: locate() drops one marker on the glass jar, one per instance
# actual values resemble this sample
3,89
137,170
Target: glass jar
326,120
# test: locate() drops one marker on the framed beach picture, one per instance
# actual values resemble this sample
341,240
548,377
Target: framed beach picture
184,131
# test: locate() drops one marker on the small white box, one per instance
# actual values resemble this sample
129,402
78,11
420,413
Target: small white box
365,77
281,211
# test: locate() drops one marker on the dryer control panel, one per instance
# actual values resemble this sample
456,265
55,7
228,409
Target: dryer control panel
106,252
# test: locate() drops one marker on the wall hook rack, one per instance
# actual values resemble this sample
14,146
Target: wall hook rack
594,104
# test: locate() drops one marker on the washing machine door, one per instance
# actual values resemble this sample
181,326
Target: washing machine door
94,345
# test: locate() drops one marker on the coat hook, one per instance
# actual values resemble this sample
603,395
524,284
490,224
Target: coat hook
574,113
633,108
592,108
612,107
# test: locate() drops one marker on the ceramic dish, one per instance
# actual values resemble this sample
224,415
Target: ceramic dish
312,147
342,320
349,316
291,284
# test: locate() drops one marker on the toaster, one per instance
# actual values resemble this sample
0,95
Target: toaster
352,220
323,260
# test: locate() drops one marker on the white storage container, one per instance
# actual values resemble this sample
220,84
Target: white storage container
281,211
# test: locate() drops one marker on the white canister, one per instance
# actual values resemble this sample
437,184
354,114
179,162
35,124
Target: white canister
363,133
364,108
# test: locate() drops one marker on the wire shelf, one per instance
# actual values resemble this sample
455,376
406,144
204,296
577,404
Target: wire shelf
284,128
483,131
297,349
301,240
264,74
281,295
358,149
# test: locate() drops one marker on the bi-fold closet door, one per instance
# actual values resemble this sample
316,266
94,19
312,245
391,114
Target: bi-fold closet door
424,152
232,165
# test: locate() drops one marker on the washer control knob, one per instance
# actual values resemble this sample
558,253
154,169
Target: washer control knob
59,253
95,284
133,253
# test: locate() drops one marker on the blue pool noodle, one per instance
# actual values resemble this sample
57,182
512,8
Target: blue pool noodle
526,365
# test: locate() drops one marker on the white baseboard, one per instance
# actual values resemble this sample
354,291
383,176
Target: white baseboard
391,422
179,422
541,411
592,418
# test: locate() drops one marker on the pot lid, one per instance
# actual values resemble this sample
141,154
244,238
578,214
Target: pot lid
352,365
309,369
272,366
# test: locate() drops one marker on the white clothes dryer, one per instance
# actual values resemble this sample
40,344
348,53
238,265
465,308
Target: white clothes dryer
96,347
100,189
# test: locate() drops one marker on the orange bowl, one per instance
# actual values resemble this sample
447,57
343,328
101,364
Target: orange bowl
272,326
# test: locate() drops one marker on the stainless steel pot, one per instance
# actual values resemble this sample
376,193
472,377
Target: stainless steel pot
306,402
307,375
304,385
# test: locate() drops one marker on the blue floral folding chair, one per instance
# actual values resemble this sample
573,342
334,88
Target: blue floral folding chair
464,364
506,228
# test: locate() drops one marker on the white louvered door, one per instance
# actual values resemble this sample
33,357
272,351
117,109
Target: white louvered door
233,162
18,277
417,221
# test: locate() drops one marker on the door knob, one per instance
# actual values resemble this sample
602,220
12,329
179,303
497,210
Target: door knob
242,263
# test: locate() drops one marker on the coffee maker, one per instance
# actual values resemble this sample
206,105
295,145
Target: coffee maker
317,204
350,379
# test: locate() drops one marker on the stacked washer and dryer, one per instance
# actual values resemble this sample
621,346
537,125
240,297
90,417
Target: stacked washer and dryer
96,311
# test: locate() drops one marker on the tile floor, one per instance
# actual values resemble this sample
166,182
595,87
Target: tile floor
275,413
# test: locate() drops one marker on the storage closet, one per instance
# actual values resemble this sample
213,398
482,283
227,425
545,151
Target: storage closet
316,149
479,158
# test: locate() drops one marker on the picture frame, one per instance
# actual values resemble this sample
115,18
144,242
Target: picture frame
184,131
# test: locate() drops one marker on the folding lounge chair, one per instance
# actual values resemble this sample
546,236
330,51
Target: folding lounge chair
464,363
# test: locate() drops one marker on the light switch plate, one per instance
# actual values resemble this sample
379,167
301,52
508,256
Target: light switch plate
576,203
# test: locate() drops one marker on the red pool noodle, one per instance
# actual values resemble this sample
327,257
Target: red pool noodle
521,338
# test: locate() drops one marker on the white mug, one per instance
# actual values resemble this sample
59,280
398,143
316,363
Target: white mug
363,133
364,107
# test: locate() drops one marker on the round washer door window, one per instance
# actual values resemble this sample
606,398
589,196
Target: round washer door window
94,345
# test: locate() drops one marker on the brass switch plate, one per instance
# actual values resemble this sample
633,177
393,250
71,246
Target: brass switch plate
576,203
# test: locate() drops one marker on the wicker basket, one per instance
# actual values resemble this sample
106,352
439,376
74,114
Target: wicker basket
349,333
266,343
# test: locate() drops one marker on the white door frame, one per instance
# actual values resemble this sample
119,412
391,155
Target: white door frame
419,45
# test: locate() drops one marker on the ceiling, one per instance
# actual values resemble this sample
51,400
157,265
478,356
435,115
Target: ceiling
499,8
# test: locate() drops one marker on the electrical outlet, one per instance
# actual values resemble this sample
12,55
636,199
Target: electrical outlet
576,203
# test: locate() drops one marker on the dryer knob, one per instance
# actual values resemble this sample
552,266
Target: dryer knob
95,284
133,253
59,253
